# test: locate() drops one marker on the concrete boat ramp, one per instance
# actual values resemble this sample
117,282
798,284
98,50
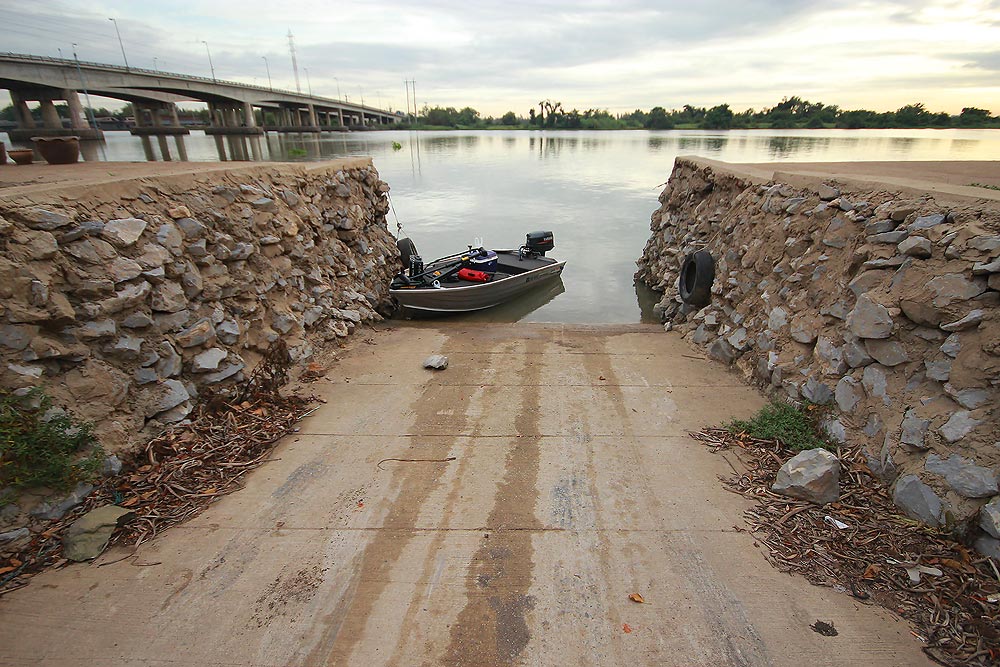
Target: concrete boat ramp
548,476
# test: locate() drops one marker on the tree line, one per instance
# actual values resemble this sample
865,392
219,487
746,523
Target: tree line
790,113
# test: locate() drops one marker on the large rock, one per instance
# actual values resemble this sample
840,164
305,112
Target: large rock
918,501
970,321
87,536
847,394
914,430
56,509
870,319
164,396
436,362
952,287
197,334
886,352
168,297
989,517
812,475
959,425
123,232
963,476
208,360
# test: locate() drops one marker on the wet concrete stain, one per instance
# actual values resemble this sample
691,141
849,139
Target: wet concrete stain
343,628
733,638
493,628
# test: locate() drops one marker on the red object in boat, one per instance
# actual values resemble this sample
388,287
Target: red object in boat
474,276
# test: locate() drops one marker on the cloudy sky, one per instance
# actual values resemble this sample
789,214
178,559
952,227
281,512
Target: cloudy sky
499,55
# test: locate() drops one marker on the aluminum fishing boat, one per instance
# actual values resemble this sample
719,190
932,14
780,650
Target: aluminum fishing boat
472,280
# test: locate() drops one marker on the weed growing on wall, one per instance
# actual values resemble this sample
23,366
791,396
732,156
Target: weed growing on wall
40,447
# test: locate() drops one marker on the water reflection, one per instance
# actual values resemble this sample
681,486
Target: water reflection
595,190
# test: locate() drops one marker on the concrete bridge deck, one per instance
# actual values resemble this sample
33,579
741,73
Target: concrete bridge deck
574,484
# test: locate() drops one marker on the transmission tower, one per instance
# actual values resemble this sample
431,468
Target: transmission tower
295,64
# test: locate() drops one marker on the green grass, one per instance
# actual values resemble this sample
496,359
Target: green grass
795,427
58,452
297,152
982,185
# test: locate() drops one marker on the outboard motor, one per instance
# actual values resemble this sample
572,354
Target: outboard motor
539,243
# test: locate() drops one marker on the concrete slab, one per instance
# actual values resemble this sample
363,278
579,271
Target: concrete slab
572,485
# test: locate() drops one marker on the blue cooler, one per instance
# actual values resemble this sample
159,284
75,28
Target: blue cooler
485,261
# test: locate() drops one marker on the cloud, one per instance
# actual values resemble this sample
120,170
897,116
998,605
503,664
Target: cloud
499,55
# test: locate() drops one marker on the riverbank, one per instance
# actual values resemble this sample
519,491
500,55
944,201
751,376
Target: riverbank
131,290
873,288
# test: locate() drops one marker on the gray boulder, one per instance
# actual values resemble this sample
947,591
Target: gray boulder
914,430
123,232
198,333
973,319
436,362
869,319
989,517
166,395
958,426
916,246
208,360
886,352
812,475
87,536
963,476
918,501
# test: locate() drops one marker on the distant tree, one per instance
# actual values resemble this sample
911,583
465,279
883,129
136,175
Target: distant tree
718,118
510,118
532,118
815,123
658,119
443,117
973,117
467,116
913,115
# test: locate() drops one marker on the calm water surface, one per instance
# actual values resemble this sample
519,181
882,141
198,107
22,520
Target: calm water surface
595,190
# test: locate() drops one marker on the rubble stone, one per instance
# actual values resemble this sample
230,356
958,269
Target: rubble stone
812,475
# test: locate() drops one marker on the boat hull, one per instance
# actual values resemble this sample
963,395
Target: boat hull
474,297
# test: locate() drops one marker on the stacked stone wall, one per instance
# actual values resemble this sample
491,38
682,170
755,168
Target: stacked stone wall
882,304
128,299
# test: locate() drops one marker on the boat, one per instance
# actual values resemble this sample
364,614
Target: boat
472,280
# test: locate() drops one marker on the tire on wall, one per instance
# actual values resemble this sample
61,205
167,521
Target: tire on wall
697,276
406,249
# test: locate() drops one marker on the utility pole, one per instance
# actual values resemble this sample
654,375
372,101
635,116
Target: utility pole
268,66
406,82
86,94
120,43
155,68
413,89
209,59
295,64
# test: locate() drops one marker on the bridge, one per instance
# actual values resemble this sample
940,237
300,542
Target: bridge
234,108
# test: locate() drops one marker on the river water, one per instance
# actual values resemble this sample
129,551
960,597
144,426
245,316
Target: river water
594,190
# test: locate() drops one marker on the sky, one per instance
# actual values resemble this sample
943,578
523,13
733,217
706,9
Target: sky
500,55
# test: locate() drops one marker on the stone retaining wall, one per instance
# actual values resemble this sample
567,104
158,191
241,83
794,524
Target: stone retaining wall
883,304
126,299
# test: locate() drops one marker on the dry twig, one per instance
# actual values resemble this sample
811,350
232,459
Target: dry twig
951,613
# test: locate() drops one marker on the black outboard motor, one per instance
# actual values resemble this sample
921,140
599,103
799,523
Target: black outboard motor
540,242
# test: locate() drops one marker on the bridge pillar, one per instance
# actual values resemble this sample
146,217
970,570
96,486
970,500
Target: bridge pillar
173,115
340,117
77,119
25,120
251,120
312,116
50,117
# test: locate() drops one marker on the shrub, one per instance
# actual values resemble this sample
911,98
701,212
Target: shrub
796,427
40,449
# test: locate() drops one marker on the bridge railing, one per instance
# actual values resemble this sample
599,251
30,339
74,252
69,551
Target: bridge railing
177,75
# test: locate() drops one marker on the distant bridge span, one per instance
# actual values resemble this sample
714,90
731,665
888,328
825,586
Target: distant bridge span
235,108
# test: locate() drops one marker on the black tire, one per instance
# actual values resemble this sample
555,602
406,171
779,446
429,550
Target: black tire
406,249
697,276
